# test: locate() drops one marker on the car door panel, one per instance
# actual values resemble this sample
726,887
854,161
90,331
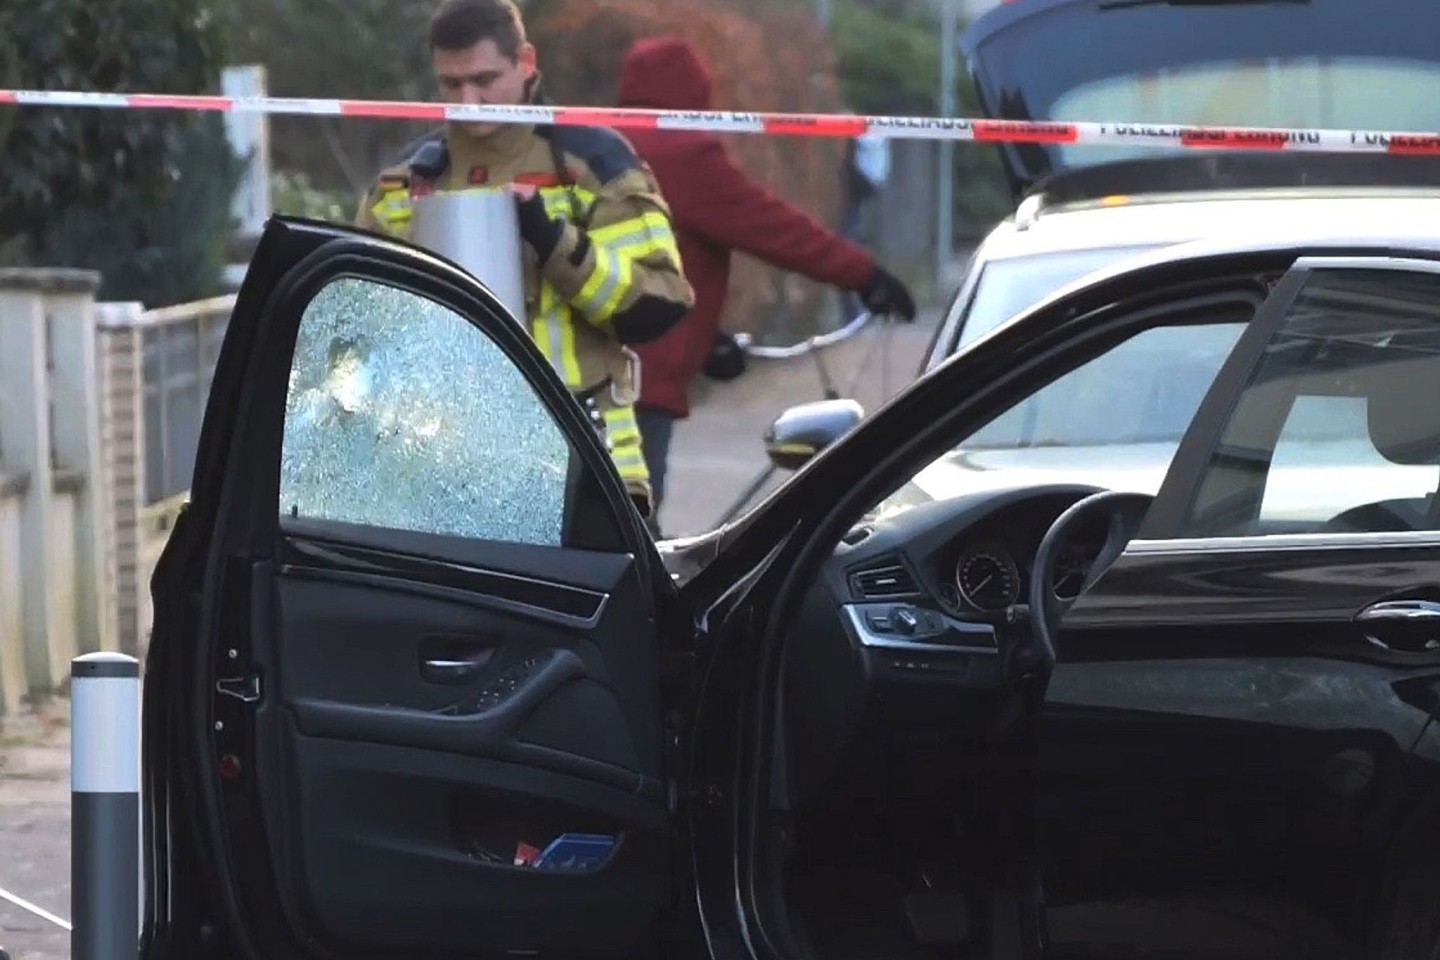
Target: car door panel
430,666
416,792
1203,756
396,859
359,654
1222,721
1248,584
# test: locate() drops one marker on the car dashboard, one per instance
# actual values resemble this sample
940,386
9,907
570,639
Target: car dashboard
951,579
914,625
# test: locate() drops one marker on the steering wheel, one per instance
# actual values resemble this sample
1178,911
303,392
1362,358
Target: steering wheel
1125,511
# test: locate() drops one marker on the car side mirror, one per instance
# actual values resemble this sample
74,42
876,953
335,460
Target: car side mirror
804,430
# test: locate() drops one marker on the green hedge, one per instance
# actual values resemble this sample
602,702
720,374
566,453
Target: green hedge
143,197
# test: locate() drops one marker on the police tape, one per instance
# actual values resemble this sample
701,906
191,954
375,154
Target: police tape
777,124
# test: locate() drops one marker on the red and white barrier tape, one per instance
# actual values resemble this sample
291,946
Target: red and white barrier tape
779,124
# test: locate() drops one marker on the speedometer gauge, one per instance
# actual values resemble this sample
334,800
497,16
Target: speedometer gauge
987,579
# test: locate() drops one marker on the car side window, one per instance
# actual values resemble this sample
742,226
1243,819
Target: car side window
1338,427
402,414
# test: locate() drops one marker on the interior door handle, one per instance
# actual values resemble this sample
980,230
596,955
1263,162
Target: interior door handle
452,670
1400,611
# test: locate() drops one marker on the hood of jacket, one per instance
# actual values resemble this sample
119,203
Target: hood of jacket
664,73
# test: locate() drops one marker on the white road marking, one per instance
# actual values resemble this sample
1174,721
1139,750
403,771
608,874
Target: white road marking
40,912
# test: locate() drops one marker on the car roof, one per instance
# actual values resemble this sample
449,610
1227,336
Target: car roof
1294,216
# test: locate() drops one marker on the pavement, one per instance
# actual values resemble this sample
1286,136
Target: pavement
35,832
715,455
719,450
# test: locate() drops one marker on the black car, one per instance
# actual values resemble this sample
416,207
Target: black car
422,685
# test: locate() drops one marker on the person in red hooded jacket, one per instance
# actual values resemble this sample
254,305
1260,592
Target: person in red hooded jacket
715,208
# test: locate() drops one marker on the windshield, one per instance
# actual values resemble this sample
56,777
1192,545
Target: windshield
1114,421
1007,287
1335,64
1146,390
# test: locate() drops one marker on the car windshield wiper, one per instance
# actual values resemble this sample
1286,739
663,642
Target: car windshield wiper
1125,4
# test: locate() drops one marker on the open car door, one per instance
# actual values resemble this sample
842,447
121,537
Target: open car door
1232,747
407,655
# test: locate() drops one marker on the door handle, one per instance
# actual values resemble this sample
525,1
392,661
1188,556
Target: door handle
1400,611
1412,625
454,670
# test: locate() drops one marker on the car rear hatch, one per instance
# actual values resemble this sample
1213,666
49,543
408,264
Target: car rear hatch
1334,64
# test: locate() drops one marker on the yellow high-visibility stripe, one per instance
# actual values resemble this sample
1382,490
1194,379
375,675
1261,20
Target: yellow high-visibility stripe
629,453
540,324
656,223
569,356
553,333
617,293
638,237
620,425
557,200
622,434
630,464
604,287
393,209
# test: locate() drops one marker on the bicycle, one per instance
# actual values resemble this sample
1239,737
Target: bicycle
813,346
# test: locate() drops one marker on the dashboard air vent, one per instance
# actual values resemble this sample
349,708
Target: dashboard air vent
888,580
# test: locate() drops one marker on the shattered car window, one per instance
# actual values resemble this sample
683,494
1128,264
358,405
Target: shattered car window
402,414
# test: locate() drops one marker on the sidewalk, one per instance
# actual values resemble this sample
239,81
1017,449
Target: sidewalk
719,450
716,454
35,832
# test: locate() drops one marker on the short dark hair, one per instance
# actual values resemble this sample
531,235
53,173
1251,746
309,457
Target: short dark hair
460,24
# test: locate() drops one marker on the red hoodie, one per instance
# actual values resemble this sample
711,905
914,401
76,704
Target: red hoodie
714,207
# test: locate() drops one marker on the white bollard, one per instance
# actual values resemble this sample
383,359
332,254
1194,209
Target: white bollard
105,806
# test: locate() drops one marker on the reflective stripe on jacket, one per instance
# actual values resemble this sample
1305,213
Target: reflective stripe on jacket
614,278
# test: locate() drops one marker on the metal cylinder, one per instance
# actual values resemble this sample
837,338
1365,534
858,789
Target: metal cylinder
105,807
480,230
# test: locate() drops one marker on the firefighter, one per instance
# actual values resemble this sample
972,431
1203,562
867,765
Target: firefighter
602,270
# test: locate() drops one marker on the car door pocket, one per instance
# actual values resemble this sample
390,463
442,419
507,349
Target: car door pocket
534,834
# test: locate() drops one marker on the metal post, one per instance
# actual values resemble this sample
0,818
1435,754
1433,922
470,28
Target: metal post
944,228
105,806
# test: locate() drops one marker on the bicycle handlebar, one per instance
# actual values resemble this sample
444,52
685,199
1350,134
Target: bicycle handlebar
746,342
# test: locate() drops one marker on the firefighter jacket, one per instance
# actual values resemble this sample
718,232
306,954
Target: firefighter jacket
613,278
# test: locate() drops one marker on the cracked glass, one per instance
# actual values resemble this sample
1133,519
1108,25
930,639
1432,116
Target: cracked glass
401,414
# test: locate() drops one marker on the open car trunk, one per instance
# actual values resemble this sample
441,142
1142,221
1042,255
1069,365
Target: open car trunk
1333,64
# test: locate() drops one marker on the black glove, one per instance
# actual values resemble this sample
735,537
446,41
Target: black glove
887,295
536,227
